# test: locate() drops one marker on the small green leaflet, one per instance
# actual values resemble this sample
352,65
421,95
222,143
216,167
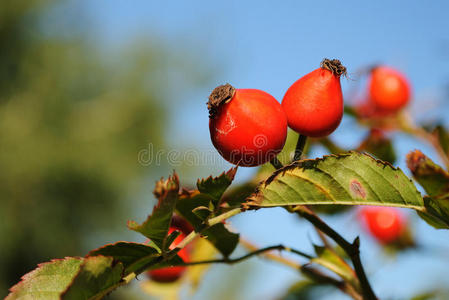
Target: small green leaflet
214,187
47,281
224,240
158,223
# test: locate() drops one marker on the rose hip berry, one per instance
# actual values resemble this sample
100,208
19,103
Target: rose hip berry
386,224
314,103
247,126
389,90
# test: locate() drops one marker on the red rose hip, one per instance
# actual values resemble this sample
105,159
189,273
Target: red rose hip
389,90
386,224
314,103
247,126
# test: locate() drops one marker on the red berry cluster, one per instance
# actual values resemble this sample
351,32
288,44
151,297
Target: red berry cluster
248,127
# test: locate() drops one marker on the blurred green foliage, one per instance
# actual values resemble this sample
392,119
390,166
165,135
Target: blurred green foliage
71,125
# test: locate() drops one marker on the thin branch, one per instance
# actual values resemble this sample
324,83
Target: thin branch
276,163
299,147
352,249
226,260
223,216
285,261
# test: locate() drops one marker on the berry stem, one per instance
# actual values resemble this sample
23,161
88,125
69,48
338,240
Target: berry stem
276,163
352,249
223,216
299,147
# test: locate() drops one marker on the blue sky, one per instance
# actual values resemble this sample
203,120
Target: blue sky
268,45
261,45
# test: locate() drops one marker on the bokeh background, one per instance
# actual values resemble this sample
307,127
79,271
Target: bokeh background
87,86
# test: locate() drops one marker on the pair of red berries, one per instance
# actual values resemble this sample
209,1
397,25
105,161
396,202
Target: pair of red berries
248,127
388,92
171,274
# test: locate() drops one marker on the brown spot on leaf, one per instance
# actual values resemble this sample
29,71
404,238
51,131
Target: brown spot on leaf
357,189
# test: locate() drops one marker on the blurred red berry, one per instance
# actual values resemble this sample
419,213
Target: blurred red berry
386,224
389,90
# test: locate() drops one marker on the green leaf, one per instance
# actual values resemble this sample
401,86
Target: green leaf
224,240
333,149
195,207
187,204
335,263
433,178
133,256
158,223
216,186
345,179
437,212
97,276
435,181
47,281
